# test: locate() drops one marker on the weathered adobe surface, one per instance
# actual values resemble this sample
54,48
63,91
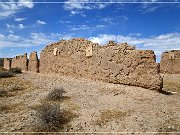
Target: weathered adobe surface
33,62
7,63
114,63
170,62
20,61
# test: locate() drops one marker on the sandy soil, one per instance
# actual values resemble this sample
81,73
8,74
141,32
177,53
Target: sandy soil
97,106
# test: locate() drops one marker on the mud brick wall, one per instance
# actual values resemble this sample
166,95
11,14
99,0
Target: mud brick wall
115,63
20,61
7,63
1,62
33,62
170,62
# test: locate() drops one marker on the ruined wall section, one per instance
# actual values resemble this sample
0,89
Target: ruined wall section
7,63
20,61
1,62
33,62
170,62
115,63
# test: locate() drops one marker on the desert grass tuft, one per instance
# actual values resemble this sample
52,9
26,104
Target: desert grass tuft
109,115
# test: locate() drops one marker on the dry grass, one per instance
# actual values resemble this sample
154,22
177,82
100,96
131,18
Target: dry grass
109,115
10,108
14,84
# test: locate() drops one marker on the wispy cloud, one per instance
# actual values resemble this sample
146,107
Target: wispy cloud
75,5
19,19
78,13
85,27
19,26
40,22
8,9
34,39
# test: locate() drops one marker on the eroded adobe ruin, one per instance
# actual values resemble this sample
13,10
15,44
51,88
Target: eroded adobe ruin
114,63
33,62
170,62
20,61
7,63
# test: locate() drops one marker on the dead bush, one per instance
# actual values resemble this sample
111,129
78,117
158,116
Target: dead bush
5,74
51,117
56,94
15,70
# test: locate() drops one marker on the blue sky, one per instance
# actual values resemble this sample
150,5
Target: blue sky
30,25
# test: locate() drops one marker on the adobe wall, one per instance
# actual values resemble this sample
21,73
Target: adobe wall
33,62
170,62
7,63
1,62
115,63
20,61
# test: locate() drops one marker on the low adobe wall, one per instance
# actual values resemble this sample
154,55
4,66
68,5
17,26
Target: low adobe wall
20,61
170,62
7,63
33,62
115,63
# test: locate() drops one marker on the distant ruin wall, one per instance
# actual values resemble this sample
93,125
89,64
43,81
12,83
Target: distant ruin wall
20,61
33,62
110,63
170,62
7,63
1,62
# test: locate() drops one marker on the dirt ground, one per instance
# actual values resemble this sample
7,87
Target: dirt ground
91,106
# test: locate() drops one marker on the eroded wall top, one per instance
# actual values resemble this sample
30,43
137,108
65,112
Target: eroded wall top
20,61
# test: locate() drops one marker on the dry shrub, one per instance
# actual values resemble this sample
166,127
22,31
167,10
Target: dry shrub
51,117
15,70
5,74
56,94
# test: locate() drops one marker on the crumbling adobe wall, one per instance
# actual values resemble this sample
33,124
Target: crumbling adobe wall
1,62
7,63
33,62
170,62
115,63
20,61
